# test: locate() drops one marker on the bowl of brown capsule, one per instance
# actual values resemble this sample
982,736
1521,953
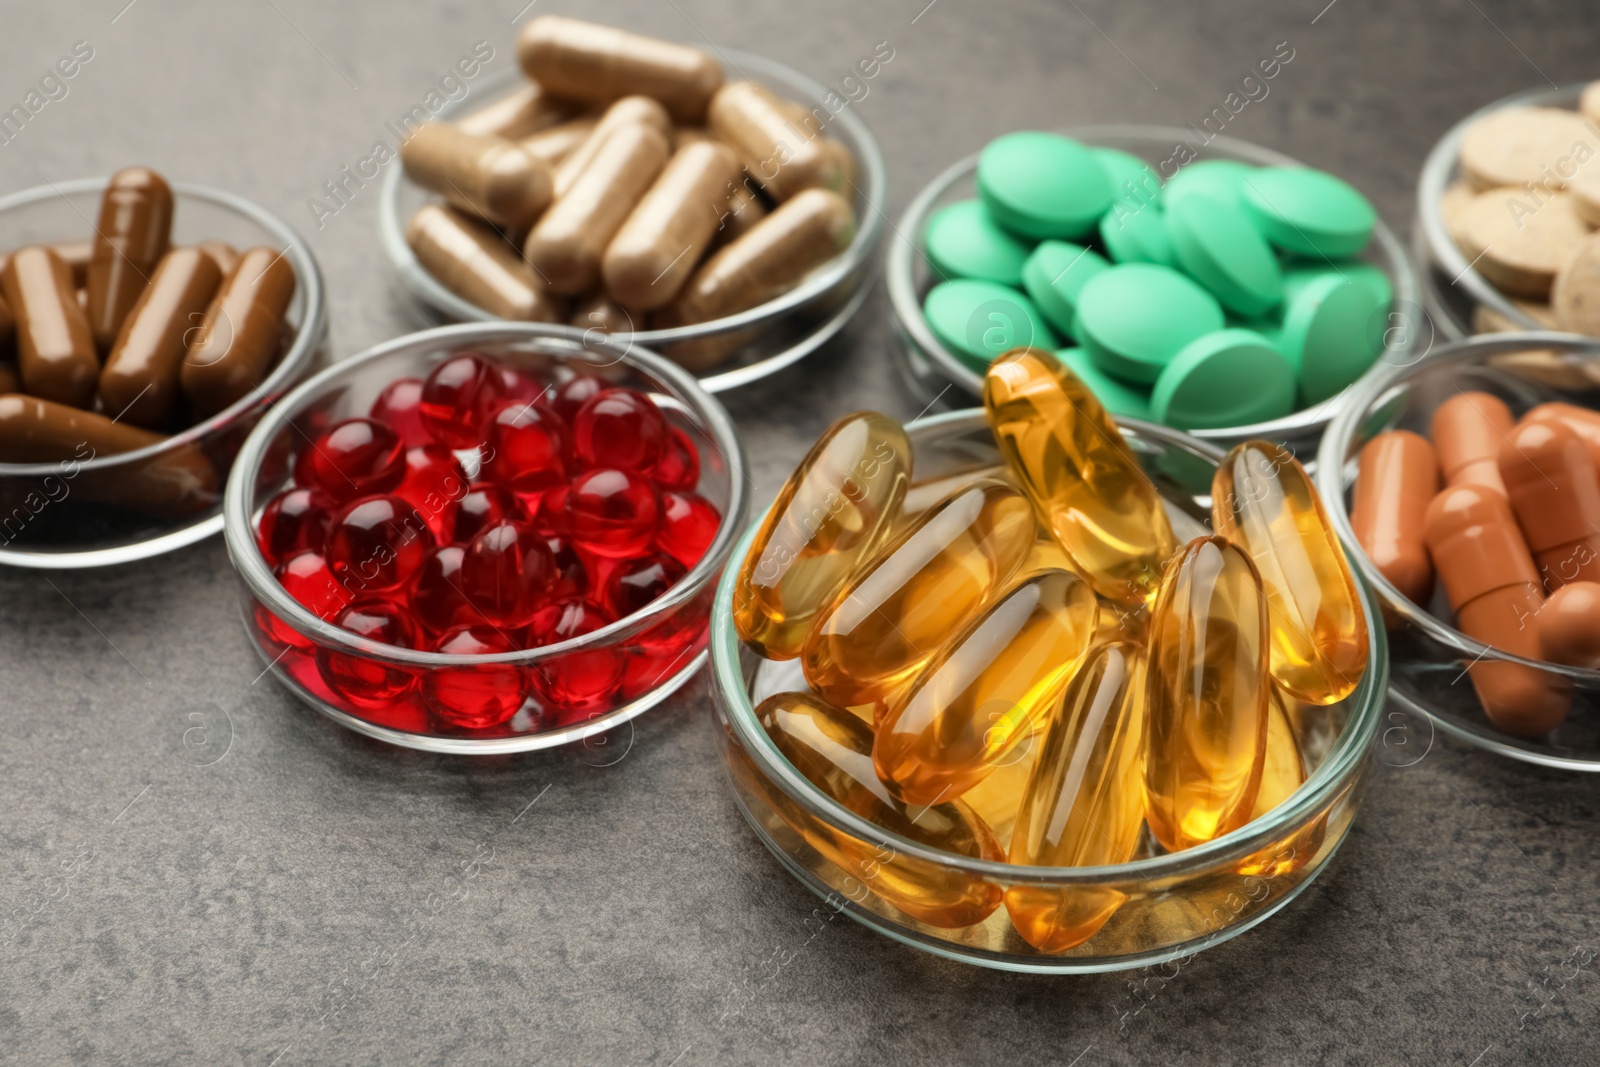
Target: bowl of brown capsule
146,326
716,207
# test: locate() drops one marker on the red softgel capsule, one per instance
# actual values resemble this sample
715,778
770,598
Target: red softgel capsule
370,680
507,572
619,429
294,521
434,593
522,386
376,543
484,506
572,577
550,517
579,683
475,696
679,466
568,397
308,579
399,407
357,457
689,524
434,484
612,513
459,397
637,583
527,448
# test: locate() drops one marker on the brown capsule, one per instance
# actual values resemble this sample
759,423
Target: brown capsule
1555,493
524,113
55,348
589,62
8,327
557,143
132,235
1467,431
1569,625
1581,421
661,243
599,312
9,382
567,243
1398,475
477,264
234,348
75,254
777,152
139,383
221,253
492,177
629,111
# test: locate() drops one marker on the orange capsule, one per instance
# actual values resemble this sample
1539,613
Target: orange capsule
1569,625
1468,431
1398,474
1283,770
1554,492
1584,422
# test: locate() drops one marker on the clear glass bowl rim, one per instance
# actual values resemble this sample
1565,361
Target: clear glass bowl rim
1336,771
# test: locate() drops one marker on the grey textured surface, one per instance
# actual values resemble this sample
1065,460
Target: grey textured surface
278,891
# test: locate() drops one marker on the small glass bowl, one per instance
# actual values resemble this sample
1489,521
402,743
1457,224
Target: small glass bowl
1452,287
1429,656
100,511
1177,904
662,645
783,330
930,368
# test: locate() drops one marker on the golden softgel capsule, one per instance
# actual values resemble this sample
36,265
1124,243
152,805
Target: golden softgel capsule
833,750
1283,770
833,512
898,609
1263,501
988,690
1207,695
1083,806
1073,463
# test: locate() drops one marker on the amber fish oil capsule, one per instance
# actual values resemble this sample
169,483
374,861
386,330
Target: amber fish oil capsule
1283,770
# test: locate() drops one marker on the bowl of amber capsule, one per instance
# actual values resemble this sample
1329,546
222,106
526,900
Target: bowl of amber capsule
486,538
1037,690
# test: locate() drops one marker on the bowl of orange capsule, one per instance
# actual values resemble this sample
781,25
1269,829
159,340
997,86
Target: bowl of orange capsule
1038,690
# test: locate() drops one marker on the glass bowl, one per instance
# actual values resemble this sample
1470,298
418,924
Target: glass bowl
661,646
1176,904
130,506
1428,656
783,330
1451,286
930,368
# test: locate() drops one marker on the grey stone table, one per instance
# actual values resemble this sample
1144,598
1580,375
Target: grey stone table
279,891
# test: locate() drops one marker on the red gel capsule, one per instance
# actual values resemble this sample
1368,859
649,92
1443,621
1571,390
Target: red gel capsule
619,429
507,573
434,484
612,513
528,449
485,505
573,393
459,397
572,577
292,522
376,543
550,518
637,583
575,684
679,466
434,593
308,579
367,680
522,386
688,526
357,457
474,696
399,407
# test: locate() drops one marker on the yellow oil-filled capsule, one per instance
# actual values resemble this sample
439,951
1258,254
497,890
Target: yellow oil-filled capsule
988,690
1072,462
1283,770
1263,501
899,608
832,748
1083,806
834,511
1207,695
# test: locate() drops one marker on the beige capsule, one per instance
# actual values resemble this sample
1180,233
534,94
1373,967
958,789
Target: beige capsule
660,245
566,245
776,151
522,114
558,142
629,111
474,262
489,176
745,209
590,62
598,311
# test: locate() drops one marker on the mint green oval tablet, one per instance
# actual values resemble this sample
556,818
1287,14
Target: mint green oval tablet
1136,233
1131,177
1134,317
1215,243
1055,274
1116,397
1220,179
962,241
1042,185
1308,211
1296,276
1332,332
979,320
1227,378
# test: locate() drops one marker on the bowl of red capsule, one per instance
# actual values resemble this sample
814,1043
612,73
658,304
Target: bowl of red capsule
486,538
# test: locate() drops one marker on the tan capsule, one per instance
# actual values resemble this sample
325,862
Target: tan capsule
131,236
139,383
522,114
780,154
474,262
629,111
490,176
235,347
590,62
656,250
222,253
599,312
558,142
567,243
55,348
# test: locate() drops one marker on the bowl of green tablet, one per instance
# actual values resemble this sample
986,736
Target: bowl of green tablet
1218,288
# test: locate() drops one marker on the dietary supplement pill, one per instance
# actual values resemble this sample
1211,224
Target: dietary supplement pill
139,383
131,236
55,347
492,177
234,348
585,61
775,151
477,264
1397,475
